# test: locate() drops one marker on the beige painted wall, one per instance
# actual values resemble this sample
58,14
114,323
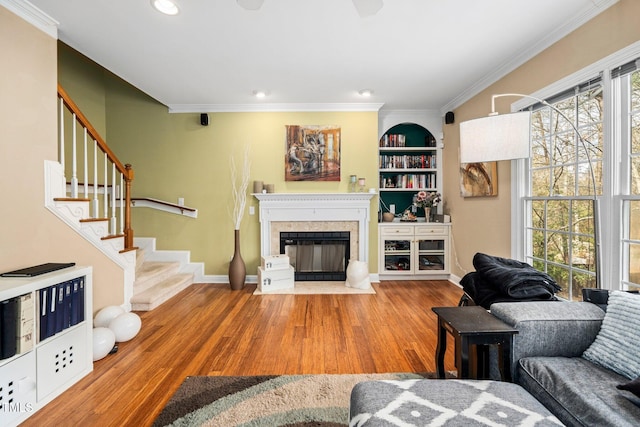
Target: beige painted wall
28,127
483,224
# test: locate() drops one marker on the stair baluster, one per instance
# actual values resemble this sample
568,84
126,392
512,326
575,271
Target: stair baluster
96,203
86,169
74,160
113,222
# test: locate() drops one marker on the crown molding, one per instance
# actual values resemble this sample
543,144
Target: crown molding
604,66
410,113
250,108
502,70
33,15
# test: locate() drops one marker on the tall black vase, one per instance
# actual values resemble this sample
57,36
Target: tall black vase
237,269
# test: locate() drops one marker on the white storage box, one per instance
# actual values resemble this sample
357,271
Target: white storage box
275,262
62,361
18,384
271,280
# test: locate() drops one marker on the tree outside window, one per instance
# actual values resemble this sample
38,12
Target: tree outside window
561,231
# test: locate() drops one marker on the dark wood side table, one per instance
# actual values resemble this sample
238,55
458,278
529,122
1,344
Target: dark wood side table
473,326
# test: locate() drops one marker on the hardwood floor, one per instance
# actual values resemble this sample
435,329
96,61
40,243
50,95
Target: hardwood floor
209,330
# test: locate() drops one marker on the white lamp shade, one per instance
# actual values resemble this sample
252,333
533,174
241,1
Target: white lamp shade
493,138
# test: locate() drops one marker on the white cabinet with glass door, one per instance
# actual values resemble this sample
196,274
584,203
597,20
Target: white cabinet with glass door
417,250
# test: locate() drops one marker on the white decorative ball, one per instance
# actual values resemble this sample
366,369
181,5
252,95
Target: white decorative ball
106,315
358,275
103,341
126,326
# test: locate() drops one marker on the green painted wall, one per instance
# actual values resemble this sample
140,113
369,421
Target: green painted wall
84,82
174,156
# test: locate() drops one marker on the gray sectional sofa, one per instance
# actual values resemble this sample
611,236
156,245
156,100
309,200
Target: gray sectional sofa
570,361
557,360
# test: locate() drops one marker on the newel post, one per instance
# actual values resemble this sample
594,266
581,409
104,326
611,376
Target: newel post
128,231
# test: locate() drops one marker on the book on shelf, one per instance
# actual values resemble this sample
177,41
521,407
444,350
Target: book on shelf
408,181
26,327
393,141
407,161
37,270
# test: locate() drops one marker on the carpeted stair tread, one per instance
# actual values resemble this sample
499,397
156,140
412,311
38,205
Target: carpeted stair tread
140,256
155,295
151,272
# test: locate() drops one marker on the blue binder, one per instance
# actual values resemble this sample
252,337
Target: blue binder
59,307
77,301
52,302
67,304
44,313
8,328
81,296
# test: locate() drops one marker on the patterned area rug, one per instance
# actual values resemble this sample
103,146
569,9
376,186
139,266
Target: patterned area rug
292,400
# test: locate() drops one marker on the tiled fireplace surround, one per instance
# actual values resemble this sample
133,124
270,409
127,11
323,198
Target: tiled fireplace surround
315,212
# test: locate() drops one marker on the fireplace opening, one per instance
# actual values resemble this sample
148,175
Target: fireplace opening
317,255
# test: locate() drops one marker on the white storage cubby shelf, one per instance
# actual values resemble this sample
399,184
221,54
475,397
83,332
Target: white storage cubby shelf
36,375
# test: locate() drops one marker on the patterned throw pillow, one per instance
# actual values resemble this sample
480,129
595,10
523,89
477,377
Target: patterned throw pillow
616,345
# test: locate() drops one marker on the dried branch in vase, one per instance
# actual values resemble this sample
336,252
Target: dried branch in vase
239,187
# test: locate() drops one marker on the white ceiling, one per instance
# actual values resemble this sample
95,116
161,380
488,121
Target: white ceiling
314,54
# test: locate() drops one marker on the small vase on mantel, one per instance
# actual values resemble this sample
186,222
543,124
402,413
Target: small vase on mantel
427,214
237,269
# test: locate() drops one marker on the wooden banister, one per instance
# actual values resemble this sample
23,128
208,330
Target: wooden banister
82,119
125,169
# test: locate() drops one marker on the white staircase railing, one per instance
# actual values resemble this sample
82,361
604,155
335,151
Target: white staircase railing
108,177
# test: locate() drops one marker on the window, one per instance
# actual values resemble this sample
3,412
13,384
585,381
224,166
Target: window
554,213
627,86
560,205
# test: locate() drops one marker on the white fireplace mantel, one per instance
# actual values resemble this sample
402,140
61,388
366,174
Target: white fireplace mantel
314,207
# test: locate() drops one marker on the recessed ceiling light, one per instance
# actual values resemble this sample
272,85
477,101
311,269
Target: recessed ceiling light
168,7
259,93
365,92
368,7
250,4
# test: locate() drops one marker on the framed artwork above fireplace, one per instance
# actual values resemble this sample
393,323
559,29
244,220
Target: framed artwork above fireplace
312,153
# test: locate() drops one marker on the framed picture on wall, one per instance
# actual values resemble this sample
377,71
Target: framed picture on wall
312,153
479,179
